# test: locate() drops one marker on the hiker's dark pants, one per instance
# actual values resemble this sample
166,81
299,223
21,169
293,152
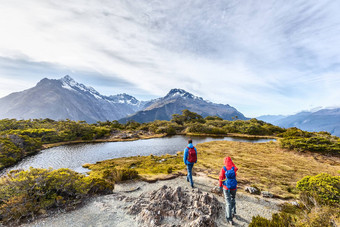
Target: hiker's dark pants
230,203
189,176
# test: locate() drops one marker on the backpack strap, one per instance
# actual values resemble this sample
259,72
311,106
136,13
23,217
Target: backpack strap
225,169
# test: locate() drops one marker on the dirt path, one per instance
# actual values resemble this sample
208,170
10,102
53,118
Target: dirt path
110,210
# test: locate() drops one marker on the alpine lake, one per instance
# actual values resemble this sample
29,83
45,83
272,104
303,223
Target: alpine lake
75,155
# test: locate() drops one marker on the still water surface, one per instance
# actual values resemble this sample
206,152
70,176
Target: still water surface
74,156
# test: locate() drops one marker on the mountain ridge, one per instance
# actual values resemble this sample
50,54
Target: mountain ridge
326,119
178,99
66,99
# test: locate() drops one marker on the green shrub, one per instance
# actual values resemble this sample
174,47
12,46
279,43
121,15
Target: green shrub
118,174
213,118
319,204
278,220
186,117
299,140
26,194
259,221
169,170
323,187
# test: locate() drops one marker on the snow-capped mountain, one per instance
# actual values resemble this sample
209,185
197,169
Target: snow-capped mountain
128,100
176,101
65,98
176,93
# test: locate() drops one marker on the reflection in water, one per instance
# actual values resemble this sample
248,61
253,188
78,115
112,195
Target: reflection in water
74,156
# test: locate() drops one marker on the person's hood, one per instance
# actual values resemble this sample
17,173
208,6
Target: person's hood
190,145
228,163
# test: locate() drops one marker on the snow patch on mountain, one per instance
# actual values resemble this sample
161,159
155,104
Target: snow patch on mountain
177,92
70,84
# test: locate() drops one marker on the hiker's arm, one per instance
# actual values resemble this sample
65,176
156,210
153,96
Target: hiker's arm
185,155
221,177
196,155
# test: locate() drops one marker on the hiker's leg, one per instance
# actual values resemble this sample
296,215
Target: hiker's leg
187,173
227,197
233,201
189,167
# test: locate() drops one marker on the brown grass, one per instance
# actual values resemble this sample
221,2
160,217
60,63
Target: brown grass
264,165
239,135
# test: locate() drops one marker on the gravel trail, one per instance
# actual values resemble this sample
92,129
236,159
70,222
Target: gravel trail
111,210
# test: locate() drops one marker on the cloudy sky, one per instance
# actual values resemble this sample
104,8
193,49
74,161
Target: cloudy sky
262,57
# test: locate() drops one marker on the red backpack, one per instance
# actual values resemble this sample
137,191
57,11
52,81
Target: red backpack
192,157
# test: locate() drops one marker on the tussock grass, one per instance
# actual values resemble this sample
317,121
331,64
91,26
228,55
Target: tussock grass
148,167
264,165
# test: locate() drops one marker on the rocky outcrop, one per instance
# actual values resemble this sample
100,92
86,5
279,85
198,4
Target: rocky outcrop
183,207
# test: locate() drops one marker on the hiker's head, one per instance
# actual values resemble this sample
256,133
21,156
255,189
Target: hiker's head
189,140
228,162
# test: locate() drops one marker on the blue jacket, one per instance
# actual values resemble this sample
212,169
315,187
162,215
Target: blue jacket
186,153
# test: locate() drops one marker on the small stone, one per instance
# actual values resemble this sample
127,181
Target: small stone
253,190
267,194
294,203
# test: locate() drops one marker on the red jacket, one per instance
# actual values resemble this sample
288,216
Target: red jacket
228,163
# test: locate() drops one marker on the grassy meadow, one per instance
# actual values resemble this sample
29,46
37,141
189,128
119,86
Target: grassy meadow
264,165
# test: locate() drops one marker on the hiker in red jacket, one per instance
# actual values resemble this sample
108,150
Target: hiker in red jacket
190,158
227,179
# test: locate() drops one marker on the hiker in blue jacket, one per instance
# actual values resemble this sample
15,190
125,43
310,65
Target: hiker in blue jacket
228,183
190,158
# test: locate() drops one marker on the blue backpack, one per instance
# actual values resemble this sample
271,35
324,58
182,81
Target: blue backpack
230,175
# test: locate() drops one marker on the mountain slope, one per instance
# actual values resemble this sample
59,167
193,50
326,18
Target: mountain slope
177,100
65,98
271,118
321,120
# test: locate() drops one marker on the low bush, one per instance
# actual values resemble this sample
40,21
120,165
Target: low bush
319,204
27,194
278,220
299,140
322,188
116,175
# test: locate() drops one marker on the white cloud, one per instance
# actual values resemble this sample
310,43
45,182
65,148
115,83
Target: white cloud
274,57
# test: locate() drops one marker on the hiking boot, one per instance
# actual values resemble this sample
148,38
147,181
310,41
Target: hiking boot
188,179
192,186
230,222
